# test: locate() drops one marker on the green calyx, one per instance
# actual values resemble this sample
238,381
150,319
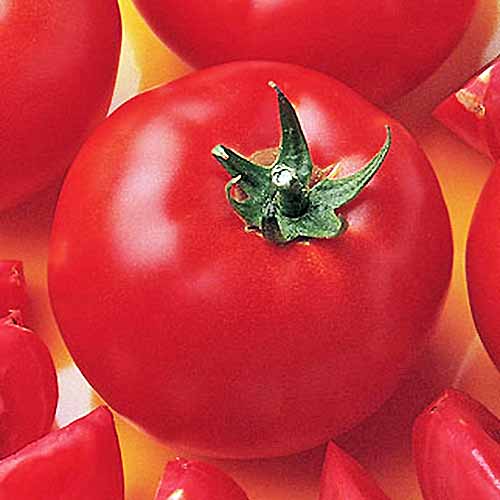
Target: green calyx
280,200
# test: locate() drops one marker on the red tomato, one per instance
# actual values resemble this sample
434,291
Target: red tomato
483,266
467,113
12,286
28,386
59,62
381,49
204,333
197,480
344,478
456,446
79,462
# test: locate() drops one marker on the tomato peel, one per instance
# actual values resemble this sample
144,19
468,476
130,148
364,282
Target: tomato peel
28,386
209,337
344,478
198,480
456,448
12,286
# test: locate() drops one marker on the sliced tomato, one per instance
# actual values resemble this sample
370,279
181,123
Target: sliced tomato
190,479
12,286
343,478
79,462
456,446
28,386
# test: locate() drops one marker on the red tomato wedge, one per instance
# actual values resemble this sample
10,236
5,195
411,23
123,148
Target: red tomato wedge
28,386
190,479
456,447
343,478
381,49
59,60
472,112
79,462
12,286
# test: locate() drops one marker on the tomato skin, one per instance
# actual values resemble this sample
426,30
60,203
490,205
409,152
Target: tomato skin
59,63
344,478
483,266
492,105
208,336
80,461
349,40
12,286
456,449
28,386
197,480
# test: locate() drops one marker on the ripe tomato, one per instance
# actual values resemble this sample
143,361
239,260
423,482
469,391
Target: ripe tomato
344,478
12,286
197,480
473,111
456,447
381,49
59,62
204,333
28,386
483,266
81,461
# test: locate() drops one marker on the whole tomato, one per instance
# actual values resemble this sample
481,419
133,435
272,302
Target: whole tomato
28,386
483,266
59,63
202,331
381,49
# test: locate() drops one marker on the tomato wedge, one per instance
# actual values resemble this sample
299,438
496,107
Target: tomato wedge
190,479
79,462
28,386
344,478
456,446
12,286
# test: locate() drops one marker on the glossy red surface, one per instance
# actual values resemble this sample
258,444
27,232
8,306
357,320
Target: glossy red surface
59,63
456,444
380,49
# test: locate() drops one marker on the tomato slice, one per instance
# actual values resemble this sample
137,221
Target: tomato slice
28,386
12,286
456,449
344,478
466,113
186,479
79,462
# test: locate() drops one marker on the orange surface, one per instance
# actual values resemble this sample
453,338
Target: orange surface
454,357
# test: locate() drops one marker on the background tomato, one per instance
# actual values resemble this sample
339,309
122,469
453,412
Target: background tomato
383,50
483,266
28,386
59,63
210,337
